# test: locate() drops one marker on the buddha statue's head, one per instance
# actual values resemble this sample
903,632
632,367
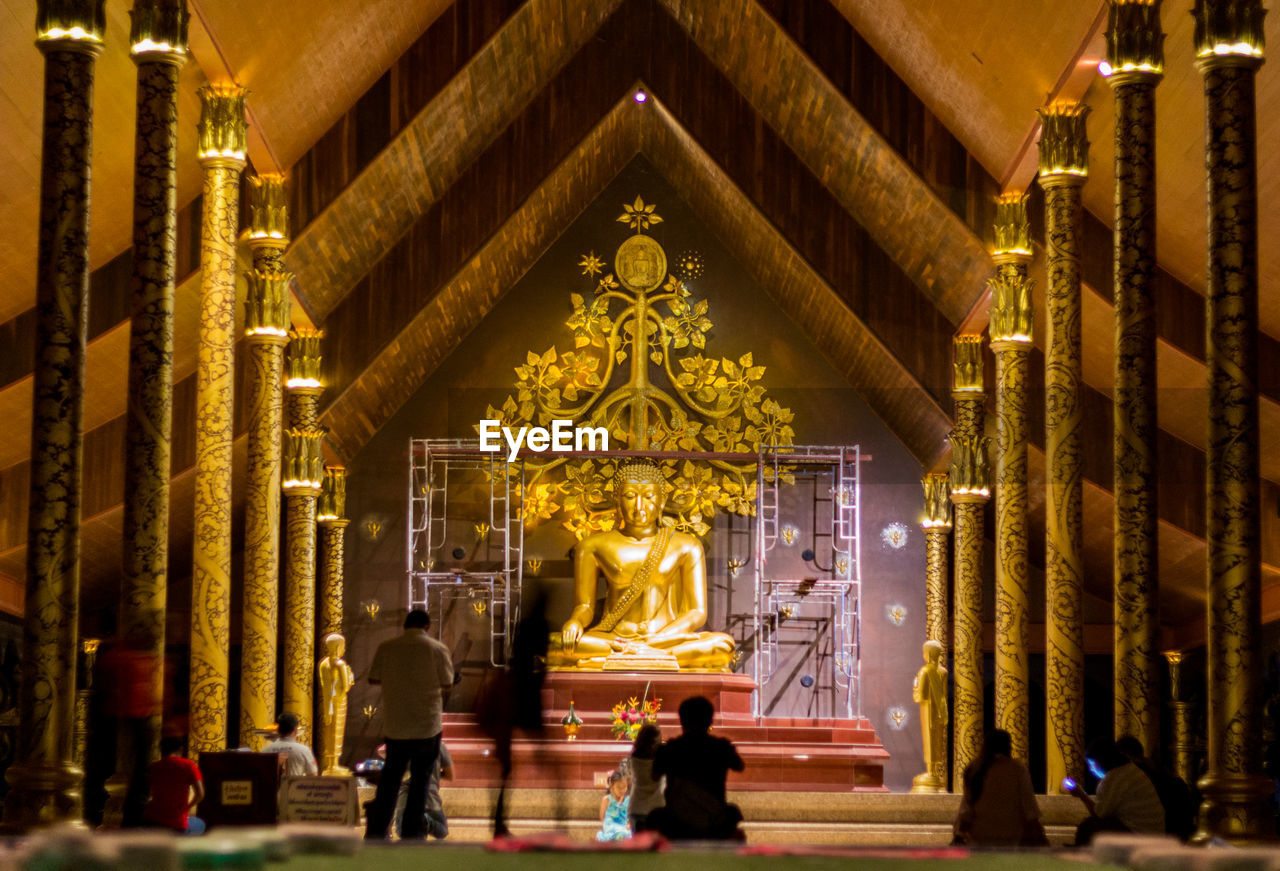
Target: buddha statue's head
335,645
640,490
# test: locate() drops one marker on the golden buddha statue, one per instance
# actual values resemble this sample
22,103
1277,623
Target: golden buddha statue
655,591
930,692
336,679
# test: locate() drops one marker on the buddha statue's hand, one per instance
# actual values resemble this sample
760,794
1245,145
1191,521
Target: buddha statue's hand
570,634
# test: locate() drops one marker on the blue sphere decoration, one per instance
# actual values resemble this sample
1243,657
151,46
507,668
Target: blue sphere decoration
806,680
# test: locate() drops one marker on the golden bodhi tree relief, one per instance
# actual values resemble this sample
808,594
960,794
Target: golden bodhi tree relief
672,397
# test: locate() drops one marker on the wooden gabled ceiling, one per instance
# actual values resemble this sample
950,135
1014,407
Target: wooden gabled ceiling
306,65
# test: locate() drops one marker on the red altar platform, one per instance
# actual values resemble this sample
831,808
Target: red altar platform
781,753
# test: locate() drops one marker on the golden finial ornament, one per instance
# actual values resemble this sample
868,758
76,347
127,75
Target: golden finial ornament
266,305
967,371
1012,226
303,461
304,359
535,566
1229,31
70,25
158,31
969,475
1135,42
372,607
937,501
223,130
268,208
333,496
1010,309
482,530
1064,140
735,565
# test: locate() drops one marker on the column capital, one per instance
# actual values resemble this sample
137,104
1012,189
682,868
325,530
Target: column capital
1135,43
967,382
268,211
937,503
304,360
1064,144
303,462
223,128
1010,322
266,307
1229,33
1012,228
333,498
158,33
70,25
970,474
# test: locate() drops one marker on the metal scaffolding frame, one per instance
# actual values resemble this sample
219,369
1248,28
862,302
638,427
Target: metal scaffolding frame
432,462
840,594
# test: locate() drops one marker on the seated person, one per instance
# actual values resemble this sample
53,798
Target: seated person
696,765
614,809
1127,800
176,788
646,790
999,806
299,758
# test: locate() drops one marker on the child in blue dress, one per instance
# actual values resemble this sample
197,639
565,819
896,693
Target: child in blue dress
614,809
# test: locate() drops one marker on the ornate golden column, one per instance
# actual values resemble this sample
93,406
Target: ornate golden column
45,782
1229,45
1064,166
1183,745
1010,332
266,332
159,48
937,528
331,516
221,152
304,478
970,482
1136,54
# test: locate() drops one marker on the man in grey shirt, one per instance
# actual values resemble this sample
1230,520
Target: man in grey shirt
300,760
413,670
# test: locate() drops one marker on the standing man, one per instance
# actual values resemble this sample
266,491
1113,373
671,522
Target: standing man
299,760
414,670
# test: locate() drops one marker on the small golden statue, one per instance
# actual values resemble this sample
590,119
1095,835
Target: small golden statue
655,591
336,679
930,691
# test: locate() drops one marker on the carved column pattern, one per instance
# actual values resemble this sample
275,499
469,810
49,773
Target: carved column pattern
1064,563
1010,333
970,487
266,333
967,704
1229,48
333,524
45,782
1135,52
222,136
303,477
159,39
937,602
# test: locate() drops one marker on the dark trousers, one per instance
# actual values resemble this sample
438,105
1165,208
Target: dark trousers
419,756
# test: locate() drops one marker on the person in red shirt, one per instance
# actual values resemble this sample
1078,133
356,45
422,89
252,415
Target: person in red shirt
176,788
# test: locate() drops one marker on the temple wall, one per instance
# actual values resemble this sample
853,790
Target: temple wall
827,411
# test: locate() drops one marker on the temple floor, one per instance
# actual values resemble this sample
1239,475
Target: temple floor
781,818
